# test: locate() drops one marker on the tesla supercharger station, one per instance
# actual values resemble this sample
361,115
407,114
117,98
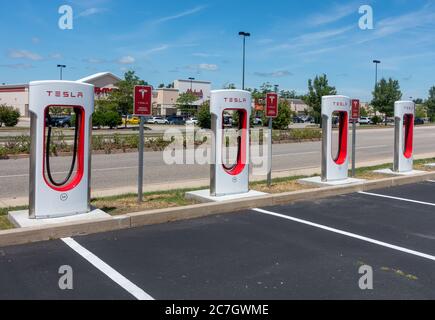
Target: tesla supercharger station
404,113
52,196
228,182
335,165
234,179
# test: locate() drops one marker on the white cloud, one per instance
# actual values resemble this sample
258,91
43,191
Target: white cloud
17,66
127,60
208,67
275,74
94,60
92,11
56,56
337,13
181,14
205,55
156,49
24,54
36,40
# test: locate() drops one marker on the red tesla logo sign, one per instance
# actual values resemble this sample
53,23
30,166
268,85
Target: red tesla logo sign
355,109
143,100
271,105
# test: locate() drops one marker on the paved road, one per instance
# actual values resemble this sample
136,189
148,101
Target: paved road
112,171
307,250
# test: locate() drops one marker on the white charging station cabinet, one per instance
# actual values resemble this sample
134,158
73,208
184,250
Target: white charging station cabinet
50,198
335,109
404,114
235,179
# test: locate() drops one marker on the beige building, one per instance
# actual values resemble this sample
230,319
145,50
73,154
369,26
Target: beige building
165,101
17,95
298,106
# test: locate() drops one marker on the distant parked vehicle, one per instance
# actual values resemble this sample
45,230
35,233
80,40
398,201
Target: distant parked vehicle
365,120
418,121
131,120
298,120
176,120
61,121
258,121
157,120
192,121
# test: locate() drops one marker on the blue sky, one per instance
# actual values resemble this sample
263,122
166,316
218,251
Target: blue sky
167,40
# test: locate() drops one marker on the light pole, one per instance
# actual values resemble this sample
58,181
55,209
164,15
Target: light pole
244,35
376,62
61,67
191,83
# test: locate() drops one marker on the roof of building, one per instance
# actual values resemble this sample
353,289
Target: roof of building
96,76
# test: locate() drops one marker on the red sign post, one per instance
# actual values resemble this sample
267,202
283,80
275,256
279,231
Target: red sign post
354,118
272,105
142,107
355,110
143,101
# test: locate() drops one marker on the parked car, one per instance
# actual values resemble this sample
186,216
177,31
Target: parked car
365,120
418,121
258,121
176,120
131,120
157,120
192,121
298,120
61,121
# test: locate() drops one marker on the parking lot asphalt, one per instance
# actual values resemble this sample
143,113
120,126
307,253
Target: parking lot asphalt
306,250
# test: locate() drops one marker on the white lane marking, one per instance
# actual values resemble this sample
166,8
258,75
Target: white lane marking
118,278
397,198
64,172
349,234
372,147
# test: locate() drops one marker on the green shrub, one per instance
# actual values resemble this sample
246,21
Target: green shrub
204,116
8,116
376,120
112,119
98,119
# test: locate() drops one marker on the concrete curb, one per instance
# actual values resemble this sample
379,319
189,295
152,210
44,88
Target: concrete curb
134,220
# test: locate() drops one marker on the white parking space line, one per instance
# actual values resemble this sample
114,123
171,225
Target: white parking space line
64,172
397,198
118,278
349,234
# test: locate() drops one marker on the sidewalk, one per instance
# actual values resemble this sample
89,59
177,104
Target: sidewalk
198,183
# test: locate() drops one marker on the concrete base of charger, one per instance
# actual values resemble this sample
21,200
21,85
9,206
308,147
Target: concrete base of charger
317,182
20,219
394,173
204,196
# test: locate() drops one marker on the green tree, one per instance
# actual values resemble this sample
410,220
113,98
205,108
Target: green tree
318,88
286,94
284,116
162,85
420,111
204,116
385,95
185,103
8,116
123,95
430,104
229,86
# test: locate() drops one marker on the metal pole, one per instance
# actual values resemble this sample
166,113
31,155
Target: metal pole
269,169
141,159
244,57
61,73
353,147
